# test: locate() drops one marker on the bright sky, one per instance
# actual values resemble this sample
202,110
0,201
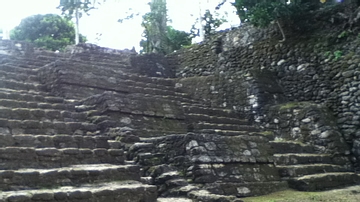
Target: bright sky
104,20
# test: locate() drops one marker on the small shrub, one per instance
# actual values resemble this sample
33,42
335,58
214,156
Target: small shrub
337,55
343,34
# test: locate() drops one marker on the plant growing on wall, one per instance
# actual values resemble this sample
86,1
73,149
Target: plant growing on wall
292,14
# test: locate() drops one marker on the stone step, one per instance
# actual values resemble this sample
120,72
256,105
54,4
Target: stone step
284,147
306,158
204,195
235,127
18,77
323,181
15,85
114,84
28,157
114,144
75,175
31,96
99,192
177,97
41,114
111,64
77,91
173,199
215,119
114,70
131,80
148,133
230,132
193,109
13,68
22,62
47,127
309,169
104,58
57,141
11,103
245,189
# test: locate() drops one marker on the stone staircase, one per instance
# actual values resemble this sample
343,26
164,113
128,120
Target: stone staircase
52,152
306,168
215,120
222,156
89,127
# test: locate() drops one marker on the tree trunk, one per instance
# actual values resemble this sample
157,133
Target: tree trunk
158,8
281,30
202,32
77,29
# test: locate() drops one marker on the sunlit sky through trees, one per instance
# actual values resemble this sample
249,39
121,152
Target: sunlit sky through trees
104,20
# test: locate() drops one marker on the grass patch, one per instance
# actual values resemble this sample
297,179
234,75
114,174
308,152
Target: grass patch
349,194
267,133
290,105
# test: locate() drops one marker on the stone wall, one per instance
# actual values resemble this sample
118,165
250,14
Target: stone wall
227,165
246,92
308,123
153,65
322,70
142,116
21,48
202,59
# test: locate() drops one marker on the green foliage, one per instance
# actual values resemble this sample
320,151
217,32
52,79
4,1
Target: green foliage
242,6
337,54
262,14
289,14
294,16
68,7
154,24
76,8
174,40
177,39
48,31
343,34
327,54
158,37
212,22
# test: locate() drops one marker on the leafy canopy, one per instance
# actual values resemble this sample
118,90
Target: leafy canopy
211,22
158,37
69,7
48,31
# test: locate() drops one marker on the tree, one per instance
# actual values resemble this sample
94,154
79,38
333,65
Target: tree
174,40
177,39
154,24
75,9
211,23
160,38
49,31
158,20
293,14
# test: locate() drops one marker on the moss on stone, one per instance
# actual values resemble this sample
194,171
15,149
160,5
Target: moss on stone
349,55
349,194
165,124
269,134
290,105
